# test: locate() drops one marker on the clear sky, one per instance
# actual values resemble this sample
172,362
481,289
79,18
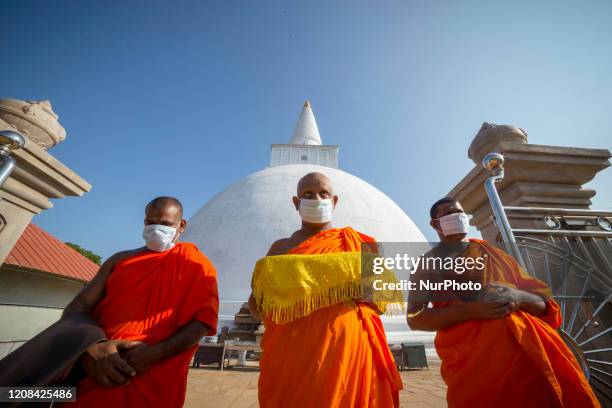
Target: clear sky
184,98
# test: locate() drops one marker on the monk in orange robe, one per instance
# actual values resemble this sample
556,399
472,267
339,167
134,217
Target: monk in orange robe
502,351
336,356
153,304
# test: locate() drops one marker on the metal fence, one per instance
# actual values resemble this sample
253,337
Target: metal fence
570,250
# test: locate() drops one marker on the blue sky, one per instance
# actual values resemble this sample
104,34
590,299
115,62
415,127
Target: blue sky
184,98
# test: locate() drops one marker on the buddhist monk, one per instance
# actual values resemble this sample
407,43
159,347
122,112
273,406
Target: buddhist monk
503,350
138,322
324,345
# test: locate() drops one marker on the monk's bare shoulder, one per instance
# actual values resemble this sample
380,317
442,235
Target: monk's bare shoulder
108,265
284,245
279,247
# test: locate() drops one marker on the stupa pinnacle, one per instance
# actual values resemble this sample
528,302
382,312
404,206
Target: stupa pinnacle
306,131
305,146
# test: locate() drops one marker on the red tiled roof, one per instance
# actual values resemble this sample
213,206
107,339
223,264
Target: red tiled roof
39,250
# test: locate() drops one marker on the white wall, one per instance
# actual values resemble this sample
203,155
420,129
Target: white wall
29,303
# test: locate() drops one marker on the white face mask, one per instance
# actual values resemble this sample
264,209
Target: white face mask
457,223
316,211
159,237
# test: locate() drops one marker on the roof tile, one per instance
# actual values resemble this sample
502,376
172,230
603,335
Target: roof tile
39,250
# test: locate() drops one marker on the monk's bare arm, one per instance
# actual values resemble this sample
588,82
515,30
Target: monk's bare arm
143,356
277,248
531,303
421,317
253,307
185,338
528,302
93,292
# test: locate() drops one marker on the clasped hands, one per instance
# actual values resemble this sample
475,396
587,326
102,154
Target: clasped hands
496,301
114,362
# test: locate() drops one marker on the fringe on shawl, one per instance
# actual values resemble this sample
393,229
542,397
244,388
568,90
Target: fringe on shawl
288,287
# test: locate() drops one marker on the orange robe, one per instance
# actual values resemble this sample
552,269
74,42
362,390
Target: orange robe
148,297
334,357
516,361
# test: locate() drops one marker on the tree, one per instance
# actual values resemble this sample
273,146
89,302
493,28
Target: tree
86,253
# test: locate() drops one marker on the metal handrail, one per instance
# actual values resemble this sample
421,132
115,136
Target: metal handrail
494,163
569,233
9,140
33,306
558,211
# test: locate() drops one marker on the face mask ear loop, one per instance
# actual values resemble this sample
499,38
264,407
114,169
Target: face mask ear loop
177,233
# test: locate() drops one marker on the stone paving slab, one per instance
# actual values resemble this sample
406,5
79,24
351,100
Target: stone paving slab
237,388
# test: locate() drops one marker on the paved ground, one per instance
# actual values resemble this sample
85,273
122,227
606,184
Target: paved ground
237,388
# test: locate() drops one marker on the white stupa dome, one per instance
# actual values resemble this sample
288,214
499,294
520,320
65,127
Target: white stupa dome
237,226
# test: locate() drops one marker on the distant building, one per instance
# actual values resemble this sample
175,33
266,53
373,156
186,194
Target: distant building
39,277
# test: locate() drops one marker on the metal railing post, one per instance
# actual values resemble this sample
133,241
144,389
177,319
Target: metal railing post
9,140
494,163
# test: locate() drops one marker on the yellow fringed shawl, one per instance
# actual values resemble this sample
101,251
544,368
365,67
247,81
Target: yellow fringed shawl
287,287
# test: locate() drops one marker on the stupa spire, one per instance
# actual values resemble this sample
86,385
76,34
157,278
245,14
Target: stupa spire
306,131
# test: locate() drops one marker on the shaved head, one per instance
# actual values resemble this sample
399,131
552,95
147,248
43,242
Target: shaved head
166,211
433,211
442,207
314,186
314,180
164,202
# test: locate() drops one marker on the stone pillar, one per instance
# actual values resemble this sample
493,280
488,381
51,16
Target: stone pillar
39,176
535,176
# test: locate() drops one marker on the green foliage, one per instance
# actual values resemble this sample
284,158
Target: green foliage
97,259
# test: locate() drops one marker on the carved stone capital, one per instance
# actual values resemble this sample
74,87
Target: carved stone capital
36,120
37,178
490,135
535,175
